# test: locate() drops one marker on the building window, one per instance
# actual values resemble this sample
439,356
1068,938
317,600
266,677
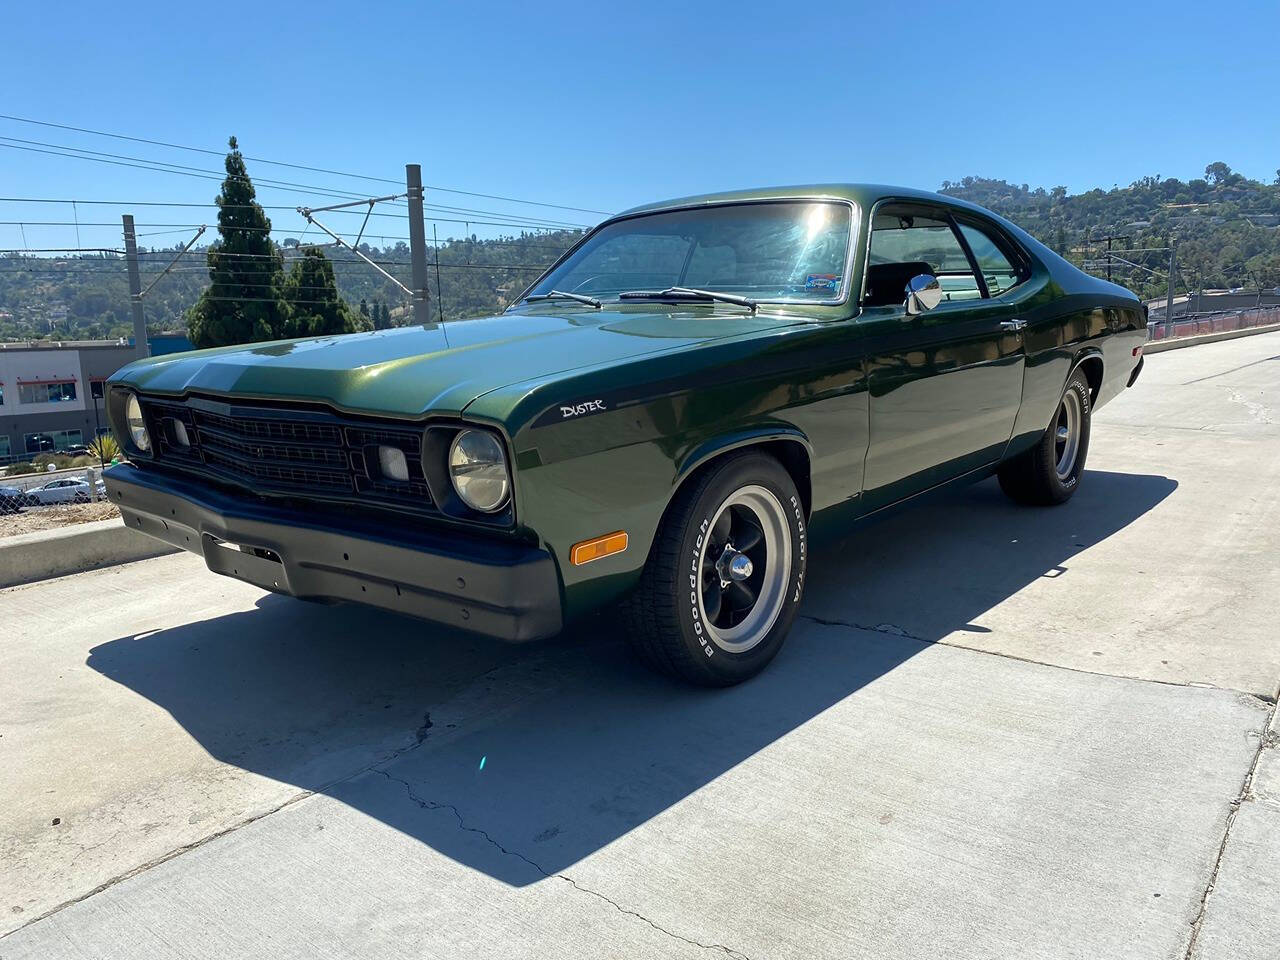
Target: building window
53,441
1,394
4,446
95,388
47,392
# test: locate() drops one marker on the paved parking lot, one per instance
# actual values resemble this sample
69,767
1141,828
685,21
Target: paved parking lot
995,731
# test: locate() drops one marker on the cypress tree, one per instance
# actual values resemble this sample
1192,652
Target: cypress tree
242,303
315,307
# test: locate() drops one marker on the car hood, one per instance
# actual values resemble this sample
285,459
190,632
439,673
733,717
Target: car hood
410,371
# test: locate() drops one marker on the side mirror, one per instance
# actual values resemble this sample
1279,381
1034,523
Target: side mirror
923,293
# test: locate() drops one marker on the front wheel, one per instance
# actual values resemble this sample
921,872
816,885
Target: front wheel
723,581
1049,472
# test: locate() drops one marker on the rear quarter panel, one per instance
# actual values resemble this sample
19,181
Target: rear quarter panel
1071,316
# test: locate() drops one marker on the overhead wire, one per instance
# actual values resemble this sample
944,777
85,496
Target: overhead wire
159,166
524,225
296,166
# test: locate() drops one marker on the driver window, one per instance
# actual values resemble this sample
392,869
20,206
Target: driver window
907,240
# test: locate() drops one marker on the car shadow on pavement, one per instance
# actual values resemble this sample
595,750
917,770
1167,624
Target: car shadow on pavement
520,761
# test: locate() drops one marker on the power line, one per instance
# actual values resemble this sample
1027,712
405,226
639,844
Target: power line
297,166
101,265
182,170
63,250
447,243
543,225
157,166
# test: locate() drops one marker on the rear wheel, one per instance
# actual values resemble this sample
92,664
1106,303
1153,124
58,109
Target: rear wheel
1049,472
723,581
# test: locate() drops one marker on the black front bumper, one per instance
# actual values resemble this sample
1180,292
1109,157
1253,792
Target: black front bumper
504,590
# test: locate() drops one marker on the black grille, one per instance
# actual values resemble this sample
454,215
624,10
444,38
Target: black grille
275,450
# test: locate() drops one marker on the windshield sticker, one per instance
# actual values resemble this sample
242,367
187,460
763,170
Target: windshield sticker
822,281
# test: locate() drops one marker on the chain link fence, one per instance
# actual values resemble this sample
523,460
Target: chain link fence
36,491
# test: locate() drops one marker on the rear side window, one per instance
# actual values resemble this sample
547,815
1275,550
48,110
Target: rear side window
997,269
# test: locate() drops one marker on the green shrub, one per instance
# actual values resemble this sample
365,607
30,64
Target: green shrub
104,448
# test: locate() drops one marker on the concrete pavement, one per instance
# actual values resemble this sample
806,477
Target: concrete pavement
995,731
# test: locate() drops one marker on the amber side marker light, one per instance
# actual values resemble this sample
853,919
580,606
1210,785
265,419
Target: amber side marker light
594,549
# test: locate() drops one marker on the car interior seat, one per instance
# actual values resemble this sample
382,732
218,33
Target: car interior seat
887,282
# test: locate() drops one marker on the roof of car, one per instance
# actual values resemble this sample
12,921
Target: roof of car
863,194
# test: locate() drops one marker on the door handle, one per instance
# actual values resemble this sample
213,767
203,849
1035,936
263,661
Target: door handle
1014,325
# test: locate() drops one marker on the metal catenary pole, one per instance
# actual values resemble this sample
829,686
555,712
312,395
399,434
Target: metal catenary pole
141,347
417,244
435,242
1168,303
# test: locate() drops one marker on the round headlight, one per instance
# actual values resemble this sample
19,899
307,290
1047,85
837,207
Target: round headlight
137,428
478,468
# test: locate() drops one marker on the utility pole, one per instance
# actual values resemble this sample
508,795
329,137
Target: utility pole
140,345
435,242
417,244
1168,303
1109,238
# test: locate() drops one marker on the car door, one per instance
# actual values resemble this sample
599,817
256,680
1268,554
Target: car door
944,385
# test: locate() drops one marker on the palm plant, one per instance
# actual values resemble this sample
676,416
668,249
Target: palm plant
105,448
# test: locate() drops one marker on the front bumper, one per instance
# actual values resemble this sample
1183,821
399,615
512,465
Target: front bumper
504,590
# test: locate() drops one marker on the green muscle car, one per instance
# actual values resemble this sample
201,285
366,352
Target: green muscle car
656,425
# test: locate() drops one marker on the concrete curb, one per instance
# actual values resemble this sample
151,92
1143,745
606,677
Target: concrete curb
82,546
1159,346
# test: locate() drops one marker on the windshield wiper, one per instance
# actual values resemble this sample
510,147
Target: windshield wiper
689,293
561,295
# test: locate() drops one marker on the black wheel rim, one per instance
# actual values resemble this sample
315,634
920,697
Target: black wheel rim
744,569
727,601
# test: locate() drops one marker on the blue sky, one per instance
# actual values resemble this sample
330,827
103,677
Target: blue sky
590,106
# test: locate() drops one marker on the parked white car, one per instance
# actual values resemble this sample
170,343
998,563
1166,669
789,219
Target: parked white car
64,490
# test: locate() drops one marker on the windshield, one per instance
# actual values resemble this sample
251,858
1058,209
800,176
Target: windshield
792,251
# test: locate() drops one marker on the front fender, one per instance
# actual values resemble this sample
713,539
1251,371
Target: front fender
716,446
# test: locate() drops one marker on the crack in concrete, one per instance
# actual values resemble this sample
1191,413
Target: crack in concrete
892,630
421,733
426,804
1266,740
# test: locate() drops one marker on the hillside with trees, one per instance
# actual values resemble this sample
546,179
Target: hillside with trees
1226,227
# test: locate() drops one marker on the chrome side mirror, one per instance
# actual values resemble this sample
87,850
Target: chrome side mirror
923,293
